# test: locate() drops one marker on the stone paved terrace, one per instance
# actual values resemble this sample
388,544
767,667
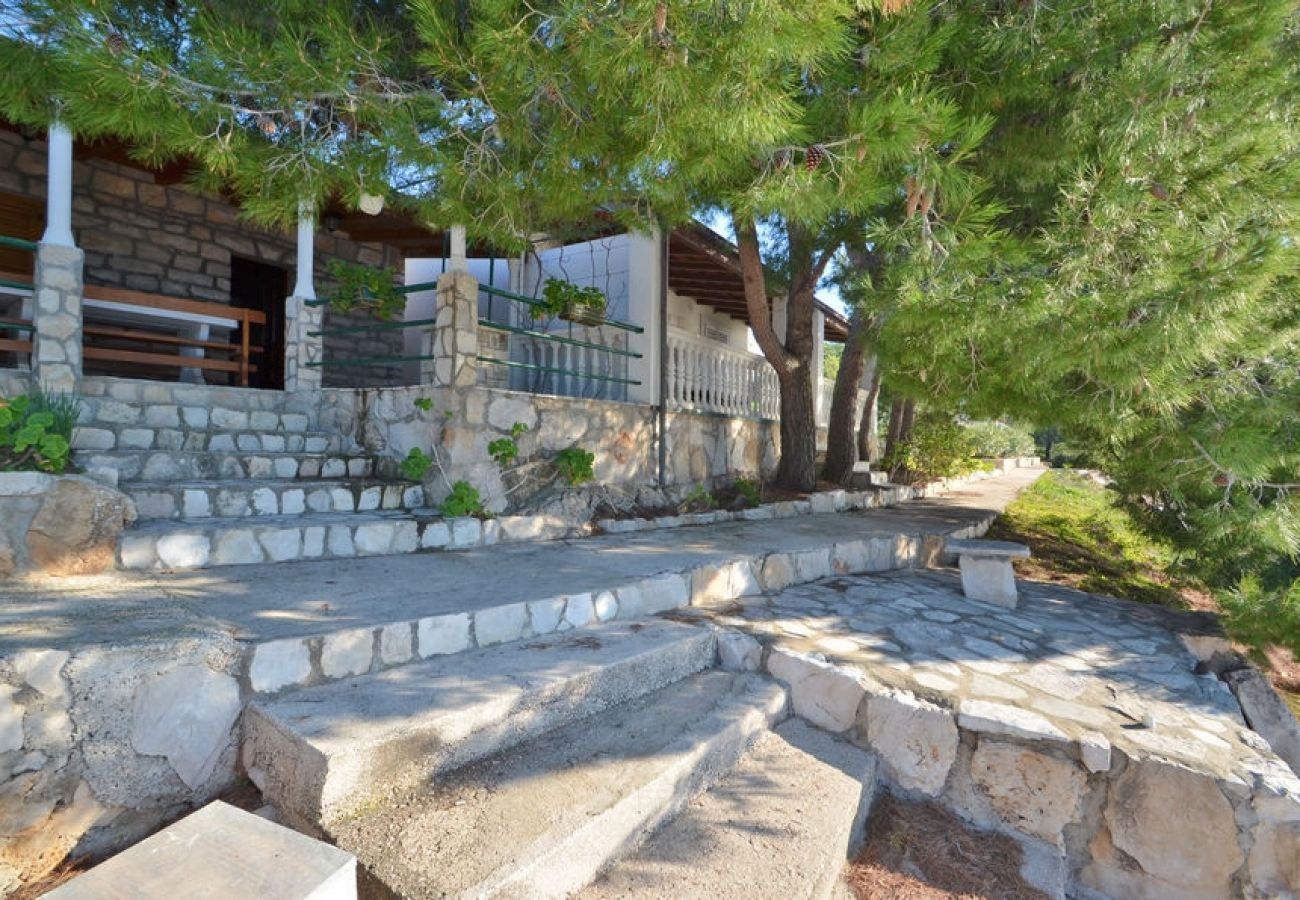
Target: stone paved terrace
1077,721
268,602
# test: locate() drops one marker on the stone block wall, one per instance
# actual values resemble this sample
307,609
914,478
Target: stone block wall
702,449
99,744
167,239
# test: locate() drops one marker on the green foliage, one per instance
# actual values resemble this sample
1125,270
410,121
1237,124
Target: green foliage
505,450
424,403
938,448
575,465
569,300
416,464
1082,533
749,490
36,432
998,440
464,500
1262,615
698,499
369,287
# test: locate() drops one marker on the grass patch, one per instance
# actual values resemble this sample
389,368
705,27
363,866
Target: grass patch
1081,536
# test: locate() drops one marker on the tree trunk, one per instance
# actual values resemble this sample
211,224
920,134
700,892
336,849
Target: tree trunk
797,470
908,423
841,449
869,424
791,357
895,426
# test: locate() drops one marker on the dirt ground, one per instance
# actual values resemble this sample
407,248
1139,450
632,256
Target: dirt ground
920,851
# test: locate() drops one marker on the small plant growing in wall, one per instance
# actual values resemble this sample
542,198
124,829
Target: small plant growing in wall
505,451
698,500
464,500
36,433
749,491
369,287
576,466
416,465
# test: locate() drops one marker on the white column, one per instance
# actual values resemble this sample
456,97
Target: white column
58,198
459,261
644,295
305,287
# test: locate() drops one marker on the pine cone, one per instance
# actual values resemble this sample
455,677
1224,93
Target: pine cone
816,153
782,159
115,43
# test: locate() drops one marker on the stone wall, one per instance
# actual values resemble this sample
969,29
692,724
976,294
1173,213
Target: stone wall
100,744
167,239
59,525
702,449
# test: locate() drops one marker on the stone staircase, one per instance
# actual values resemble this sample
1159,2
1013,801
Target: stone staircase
246,483
616,760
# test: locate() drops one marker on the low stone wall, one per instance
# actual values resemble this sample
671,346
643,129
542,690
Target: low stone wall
702,449
99,745
59,525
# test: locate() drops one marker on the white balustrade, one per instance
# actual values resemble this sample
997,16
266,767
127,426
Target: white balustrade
706,377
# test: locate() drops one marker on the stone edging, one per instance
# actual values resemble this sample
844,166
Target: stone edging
287,663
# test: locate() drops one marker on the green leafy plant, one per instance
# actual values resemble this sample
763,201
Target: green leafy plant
998,440
937,448
464,500
570,301
749,490
36,433
575,465
416,464
424,403
698,500
369,287
505,450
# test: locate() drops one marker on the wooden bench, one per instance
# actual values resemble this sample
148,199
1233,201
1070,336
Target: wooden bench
986,572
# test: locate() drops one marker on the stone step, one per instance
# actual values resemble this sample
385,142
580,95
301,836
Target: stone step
140,438
780,826
328,751
543,819
220,851
167,465
202,543
193,500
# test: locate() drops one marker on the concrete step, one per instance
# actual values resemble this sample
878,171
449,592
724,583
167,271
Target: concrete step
220,851
543,819
201,543
168,465
328,751
780,826
191,500
89,439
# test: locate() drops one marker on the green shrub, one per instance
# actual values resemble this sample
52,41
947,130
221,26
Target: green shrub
416,464
36,432
369,287
937,448
998,440
752,493
464,500
698,500
576,466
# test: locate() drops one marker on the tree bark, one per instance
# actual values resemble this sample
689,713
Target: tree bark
895,426
841,448
791,358
908,423
869,423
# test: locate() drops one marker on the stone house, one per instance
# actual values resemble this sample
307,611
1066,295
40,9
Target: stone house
205,353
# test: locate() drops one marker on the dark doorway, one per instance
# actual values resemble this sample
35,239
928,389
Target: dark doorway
264,287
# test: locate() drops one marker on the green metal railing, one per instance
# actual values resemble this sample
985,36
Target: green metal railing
12,330
14,243
488,321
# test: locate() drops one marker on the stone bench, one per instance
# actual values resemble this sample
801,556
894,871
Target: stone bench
986,572
220,851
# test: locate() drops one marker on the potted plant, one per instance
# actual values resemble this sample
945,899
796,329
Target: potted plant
571,302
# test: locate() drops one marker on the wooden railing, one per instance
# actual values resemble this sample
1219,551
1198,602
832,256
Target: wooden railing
16,285
196,315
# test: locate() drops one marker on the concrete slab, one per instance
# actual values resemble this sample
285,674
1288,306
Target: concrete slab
296,599
781,825
323,752
542,820
220,852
